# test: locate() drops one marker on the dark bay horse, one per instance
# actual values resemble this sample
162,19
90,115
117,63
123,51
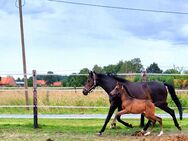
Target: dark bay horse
132,105
158,95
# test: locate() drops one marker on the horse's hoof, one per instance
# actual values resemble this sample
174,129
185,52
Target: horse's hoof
130,126
160,134
99,134
179,128
147,133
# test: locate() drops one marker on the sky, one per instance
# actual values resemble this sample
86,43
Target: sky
65,38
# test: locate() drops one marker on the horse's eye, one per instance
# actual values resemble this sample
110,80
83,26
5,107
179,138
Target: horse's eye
88,81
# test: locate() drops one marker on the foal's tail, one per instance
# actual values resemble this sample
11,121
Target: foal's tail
175,98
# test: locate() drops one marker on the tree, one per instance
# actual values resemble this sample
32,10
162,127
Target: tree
50,78
18,79
137,66
109,69
154,68
185,72
74,81
133,65
84,71
30,81
172,71
97,69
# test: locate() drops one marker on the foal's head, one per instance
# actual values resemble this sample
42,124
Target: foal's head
118,89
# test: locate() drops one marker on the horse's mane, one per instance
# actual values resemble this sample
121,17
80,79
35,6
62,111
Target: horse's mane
114,76
122,80
119,79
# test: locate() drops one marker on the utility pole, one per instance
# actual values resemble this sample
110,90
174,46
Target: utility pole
23,54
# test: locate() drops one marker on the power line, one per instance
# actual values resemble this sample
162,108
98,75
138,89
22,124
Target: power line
120,8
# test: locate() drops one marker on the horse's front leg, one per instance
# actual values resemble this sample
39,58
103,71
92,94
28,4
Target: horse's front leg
110,113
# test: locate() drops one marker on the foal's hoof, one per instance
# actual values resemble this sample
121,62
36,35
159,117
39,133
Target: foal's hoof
160,134
113,126
147,133
99,134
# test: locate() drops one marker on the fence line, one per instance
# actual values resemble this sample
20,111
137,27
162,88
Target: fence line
66,89
63,107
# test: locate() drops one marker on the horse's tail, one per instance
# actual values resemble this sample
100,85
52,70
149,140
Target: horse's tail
175,98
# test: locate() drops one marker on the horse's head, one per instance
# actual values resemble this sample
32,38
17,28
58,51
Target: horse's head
117,89
90,83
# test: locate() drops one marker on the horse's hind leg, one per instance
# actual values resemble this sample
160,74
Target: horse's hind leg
146,126
164,107
149,122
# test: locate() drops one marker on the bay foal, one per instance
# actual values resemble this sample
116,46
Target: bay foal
136,106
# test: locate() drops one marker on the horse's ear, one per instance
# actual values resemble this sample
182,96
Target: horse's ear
91,73
117,83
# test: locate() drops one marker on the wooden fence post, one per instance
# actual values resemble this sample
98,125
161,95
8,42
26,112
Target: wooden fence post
35,110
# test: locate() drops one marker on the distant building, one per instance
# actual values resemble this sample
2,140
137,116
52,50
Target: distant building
41,83
57,84
19,83
7,81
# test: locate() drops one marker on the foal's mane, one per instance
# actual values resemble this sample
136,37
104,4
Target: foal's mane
128,91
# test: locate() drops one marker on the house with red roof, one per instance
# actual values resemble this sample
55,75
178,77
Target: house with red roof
57,84
7,81
41,83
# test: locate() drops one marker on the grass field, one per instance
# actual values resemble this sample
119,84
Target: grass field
81,130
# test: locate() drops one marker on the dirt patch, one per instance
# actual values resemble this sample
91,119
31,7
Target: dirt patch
162,138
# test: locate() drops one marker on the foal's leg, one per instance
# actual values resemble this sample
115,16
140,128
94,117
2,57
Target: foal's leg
121,121
164,107
151,119
154,119
118,114
153,124
161,125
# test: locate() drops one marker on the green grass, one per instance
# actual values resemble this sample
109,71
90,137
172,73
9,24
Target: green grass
79,130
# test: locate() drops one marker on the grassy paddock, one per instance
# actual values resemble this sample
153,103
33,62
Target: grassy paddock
79,130
65,98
